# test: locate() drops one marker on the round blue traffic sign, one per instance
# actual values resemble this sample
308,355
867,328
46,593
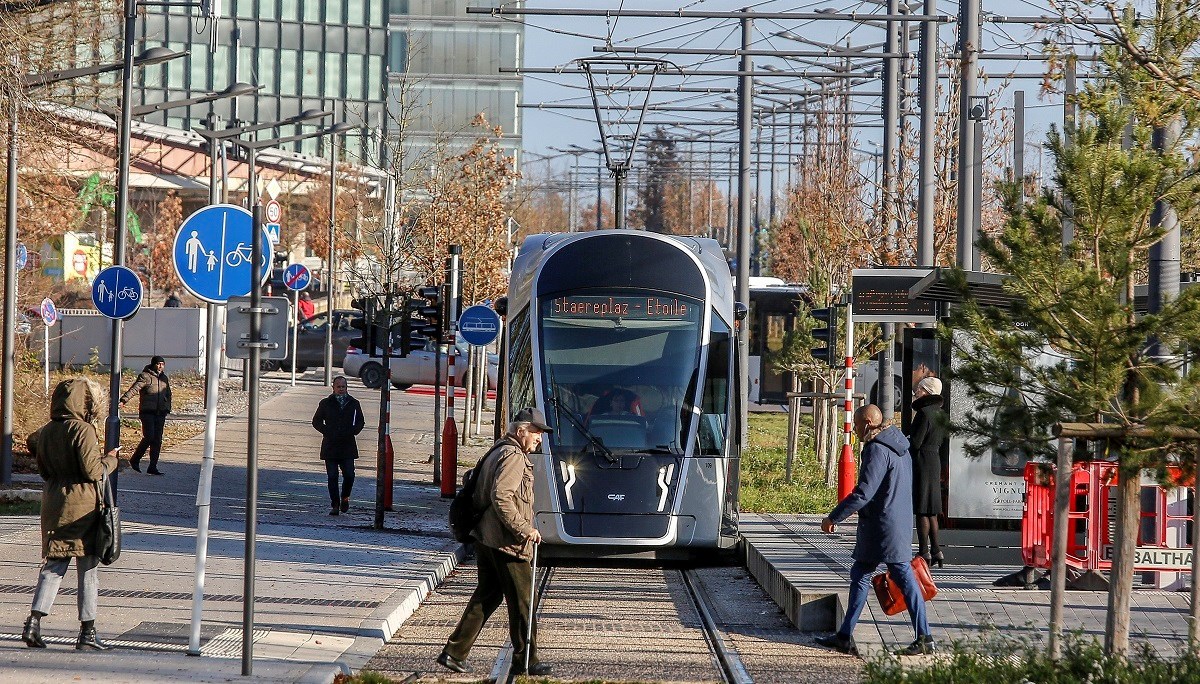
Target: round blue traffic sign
297,277
213,253
479,325
117,292
22,255
48,311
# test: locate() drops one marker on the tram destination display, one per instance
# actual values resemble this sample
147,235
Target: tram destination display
637,308
881,296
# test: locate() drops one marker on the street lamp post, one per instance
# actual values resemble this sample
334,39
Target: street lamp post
20,86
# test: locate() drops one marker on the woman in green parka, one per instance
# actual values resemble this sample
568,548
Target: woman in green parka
68,455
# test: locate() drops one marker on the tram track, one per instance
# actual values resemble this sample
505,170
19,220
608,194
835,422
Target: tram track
729,663
726,664
610,624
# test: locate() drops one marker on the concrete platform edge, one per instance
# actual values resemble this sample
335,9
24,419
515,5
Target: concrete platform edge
379,627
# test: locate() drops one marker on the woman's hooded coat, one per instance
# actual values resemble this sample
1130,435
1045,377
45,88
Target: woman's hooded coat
70,460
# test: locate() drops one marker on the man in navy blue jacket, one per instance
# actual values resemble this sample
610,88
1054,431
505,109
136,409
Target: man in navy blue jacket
883,501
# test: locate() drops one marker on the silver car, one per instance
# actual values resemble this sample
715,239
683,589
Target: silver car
415,369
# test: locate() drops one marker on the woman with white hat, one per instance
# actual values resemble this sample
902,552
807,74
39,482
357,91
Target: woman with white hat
926,436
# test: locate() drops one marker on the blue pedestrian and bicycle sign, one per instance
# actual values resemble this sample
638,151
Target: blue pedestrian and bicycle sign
297,277
213,253
479,325
117,292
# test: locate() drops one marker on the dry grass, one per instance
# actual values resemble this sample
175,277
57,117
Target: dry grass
32,407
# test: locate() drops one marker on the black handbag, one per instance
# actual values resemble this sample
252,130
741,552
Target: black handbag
108,529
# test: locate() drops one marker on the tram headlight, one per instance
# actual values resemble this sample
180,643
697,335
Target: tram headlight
568,475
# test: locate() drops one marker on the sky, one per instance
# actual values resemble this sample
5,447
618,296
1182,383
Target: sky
557,42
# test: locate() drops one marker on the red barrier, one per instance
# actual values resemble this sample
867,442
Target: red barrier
1090,523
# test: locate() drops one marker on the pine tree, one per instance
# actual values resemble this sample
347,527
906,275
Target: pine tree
1072,347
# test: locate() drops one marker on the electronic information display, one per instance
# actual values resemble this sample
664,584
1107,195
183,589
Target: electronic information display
638,308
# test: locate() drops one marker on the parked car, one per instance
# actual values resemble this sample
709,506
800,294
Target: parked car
310,341
415,369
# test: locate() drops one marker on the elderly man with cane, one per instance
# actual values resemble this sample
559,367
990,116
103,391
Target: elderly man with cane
506,543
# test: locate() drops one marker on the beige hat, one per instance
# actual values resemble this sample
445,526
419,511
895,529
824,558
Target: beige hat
931,385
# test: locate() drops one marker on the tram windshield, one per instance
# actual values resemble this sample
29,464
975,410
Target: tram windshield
620,369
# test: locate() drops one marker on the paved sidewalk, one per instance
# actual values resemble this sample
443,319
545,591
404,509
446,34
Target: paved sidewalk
329,589
808,575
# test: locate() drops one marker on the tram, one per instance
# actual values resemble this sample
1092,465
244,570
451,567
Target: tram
626,340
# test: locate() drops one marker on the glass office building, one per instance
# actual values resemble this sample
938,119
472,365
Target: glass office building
444,68
342,55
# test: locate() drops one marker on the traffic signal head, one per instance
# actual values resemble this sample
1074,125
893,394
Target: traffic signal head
825,335
427,315
366,323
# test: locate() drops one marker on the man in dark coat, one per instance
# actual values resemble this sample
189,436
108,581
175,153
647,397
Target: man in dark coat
506,535
154,403
883,501
339,418
926,435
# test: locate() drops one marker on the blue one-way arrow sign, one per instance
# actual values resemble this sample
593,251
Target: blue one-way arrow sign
212,253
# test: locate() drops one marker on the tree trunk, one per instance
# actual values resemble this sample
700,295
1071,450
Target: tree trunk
833,442
793,430
1116,626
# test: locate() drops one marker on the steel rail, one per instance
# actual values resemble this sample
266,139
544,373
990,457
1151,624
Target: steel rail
733,671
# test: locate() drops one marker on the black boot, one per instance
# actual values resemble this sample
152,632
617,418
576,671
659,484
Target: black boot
88,638
32,635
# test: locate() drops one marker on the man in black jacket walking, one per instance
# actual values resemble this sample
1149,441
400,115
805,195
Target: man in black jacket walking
339,418
154,403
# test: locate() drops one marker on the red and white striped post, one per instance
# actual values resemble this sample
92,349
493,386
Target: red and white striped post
846,468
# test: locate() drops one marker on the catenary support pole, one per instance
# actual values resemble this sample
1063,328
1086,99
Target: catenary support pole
1019,141
1069,122
1164,254
968,49
927,171
745,97
890,214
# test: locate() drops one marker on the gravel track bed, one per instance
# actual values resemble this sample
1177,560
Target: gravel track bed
623,625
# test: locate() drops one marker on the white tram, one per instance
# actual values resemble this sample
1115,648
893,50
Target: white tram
627,341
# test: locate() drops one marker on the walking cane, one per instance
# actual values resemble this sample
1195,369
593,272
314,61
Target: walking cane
532,596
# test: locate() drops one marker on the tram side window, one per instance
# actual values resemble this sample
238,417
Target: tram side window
714,404
520,363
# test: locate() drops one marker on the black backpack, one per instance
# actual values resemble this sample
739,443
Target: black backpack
463,516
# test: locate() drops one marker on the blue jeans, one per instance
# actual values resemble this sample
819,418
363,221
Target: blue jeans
860,589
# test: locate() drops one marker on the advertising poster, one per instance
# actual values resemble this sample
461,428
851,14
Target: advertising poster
989,486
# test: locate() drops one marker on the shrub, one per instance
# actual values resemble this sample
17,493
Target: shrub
1004,660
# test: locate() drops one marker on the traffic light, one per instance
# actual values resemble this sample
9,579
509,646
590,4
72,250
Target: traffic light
825,336
366,323
426,317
